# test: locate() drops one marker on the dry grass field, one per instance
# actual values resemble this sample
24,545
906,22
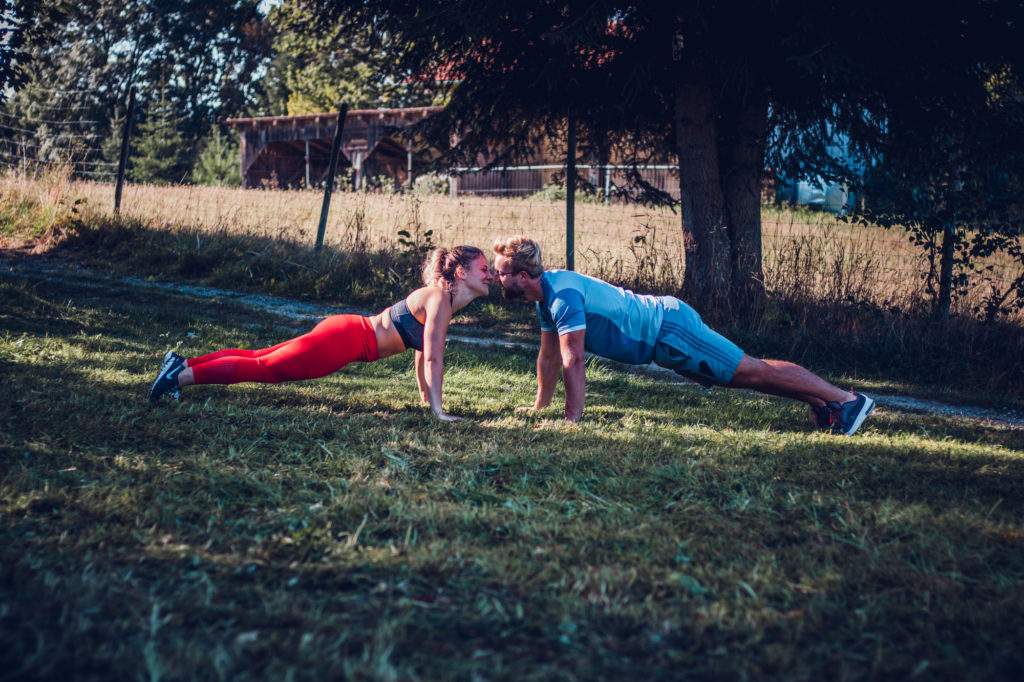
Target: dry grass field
806,254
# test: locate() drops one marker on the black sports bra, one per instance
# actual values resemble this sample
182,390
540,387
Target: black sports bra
409,328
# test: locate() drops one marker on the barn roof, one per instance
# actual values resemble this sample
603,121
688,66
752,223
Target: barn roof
397,116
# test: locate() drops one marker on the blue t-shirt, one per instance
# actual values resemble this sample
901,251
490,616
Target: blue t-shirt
620,325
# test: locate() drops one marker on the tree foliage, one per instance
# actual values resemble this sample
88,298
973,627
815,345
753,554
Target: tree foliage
712,83
317,65
957,184
24,23
203,59
160,156
218,162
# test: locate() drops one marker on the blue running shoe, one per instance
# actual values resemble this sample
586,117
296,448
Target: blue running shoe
848,417
167,378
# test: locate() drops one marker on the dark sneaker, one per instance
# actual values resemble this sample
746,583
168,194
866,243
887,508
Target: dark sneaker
822,417
848,417
170,358
167,378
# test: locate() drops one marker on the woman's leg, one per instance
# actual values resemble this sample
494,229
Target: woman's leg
332,344
235,352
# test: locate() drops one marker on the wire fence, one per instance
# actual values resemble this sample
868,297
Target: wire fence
43,128
518,181
805,253
614,238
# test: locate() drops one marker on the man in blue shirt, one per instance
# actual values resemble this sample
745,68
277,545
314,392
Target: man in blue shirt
580,313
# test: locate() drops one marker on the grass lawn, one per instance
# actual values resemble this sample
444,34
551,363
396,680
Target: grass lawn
333,530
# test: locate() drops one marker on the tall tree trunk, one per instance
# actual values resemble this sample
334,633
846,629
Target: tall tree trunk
741,152
707,275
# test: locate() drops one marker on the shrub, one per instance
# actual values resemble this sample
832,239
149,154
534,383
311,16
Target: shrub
556,192
430,184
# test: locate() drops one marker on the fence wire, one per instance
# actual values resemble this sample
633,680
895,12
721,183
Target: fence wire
636,245
57,130
639,246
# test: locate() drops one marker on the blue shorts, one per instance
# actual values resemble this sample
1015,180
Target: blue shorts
692,349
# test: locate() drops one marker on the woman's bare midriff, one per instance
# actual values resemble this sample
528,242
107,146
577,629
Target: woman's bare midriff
389,341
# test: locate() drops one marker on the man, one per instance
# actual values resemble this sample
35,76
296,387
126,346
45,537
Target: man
579,313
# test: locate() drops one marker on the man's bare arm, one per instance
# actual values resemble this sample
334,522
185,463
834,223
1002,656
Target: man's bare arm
573,373
548,362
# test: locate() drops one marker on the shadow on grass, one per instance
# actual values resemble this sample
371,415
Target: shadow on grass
640,457
354,273
635,427
487,549
333,528
539,556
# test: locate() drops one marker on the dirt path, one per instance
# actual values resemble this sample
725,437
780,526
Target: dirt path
61,272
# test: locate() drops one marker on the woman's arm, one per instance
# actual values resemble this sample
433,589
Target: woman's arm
435,330
421,380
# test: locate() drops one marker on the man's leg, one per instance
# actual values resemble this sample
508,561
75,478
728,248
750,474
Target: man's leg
834,408
694,350
786,379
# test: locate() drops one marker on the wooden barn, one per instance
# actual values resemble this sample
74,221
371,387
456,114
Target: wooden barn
295,151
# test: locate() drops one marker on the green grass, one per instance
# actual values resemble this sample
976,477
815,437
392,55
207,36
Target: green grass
332,529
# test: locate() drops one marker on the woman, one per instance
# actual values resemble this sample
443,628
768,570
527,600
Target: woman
453,278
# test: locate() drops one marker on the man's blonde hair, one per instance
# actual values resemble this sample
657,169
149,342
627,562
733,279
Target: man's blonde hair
523,252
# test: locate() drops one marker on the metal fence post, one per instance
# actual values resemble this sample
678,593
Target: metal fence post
331,170
307,164
570,196
123,161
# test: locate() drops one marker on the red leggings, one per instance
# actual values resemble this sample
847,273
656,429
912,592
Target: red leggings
332,344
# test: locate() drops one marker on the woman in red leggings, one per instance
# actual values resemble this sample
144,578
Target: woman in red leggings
453,278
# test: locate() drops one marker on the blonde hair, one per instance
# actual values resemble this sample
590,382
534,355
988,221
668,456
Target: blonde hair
523,252
441,264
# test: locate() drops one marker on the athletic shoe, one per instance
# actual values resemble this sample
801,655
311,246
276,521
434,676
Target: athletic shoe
822,417
170,358
167,378
848,417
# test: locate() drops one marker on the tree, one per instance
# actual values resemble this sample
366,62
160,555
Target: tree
22,23
712,82
218,162
316,66
160,156
957,184
206,57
